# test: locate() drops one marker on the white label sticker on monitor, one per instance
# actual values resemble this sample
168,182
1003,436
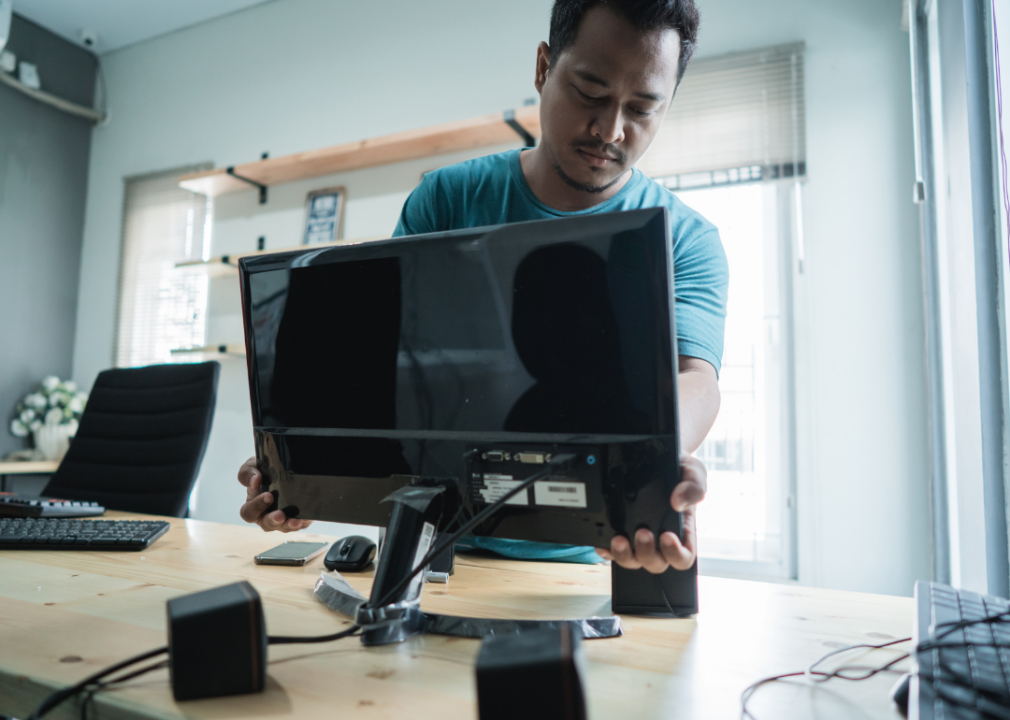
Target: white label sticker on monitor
495,486
427,535
560,494
423,546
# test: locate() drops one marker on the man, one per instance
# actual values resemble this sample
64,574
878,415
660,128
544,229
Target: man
605,81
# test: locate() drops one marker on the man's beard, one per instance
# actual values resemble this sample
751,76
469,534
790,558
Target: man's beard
594,189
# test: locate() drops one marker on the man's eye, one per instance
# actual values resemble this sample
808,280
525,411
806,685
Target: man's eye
587,98
641,113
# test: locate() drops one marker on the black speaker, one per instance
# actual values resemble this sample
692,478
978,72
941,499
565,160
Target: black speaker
534,675
673,593
217,642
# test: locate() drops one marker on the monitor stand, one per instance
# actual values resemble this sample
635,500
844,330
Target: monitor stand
409,537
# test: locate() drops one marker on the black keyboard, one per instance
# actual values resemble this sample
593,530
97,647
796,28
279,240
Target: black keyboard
969,679
67,534
14,505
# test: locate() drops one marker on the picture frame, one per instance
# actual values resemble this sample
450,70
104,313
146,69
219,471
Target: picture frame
324,215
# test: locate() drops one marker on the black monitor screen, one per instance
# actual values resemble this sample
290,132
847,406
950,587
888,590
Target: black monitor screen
560,327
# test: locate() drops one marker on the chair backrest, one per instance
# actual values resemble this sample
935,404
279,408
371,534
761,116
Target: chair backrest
141,439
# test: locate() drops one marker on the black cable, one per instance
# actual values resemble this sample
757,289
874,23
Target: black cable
289,640
60,695
102,684
956,625
956,678
556,463
99,683
662,592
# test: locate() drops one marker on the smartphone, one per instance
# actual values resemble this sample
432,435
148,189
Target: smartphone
292,553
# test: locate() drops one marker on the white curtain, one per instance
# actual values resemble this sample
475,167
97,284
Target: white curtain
735,118
161,307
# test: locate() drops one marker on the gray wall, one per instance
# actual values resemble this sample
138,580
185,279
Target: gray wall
43,185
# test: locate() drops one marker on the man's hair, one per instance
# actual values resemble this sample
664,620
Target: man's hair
645,15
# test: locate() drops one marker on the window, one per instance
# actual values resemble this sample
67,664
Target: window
745,523
733,148
161,308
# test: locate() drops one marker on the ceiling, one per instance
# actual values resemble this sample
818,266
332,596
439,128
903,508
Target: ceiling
118,23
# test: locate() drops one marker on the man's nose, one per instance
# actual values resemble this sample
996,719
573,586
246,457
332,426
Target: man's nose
608,126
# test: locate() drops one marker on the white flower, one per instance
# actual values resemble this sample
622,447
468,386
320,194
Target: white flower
36,400
70,386
18,428
59,399
54,416
36,424
76,404
50,383
27,415
73,425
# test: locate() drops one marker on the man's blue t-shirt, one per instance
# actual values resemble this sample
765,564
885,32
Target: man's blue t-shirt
492,190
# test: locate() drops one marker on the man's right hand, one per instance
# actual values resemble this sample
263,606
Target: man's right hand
254,510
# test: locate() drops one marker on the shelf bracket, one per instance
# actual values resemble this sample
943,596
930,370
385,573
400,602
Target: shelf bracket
510,120
262,188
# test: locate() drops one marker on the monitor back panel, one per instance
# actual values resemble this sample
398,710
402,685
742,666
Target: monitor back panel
375,364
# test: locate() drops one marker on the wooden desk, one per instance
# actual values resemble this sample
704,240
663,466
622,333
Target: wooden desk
44,467
64,615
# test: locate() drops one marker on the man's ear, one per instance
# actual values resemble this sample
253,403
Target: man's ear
543,65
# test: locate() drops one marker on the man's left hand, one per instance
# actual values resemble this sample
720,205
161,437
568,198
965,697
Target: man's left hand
672,552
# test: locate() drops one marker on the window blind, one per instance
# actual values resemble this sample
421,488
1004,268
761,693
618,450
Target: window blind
160,307
735,118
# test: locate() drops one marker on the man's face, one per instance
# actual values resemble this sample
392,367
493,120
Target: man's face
604,98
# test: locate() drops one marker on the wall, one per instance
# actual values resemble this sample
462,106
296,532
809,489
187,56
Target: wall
861,435
298,74
43,179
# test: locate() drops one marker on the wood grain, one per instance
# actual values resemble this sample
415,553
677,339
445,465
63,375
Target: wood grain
483,131
66,614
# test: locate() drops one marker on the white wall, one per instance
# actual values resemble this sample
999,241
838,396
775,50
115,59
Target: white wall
862,461
299,74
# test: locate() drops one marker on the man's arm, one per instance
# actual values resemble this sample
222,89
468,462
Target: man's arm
698,390
698,396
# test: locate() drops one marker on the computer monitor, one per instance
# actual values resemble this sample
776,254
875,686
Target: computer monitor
472,355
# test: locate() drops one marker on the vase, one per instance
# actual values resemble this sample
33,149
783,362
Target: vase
53,440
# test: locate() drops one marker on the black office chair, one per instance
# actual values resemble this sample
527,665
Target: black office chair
141,439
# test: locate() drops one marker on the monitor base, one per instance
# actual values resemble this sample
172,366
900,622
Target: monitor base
335,593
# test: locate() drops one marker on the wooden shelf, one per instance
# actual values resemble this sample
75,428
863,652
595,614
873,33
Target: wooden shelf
50,99
212,349
31,467
231,260
484,131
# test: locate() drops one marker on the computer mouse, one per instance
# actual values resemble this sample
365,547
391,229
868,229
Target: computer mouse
350,554
899,693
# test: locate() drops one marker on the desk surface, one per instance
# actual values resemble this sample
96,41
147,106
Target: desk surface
64,615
